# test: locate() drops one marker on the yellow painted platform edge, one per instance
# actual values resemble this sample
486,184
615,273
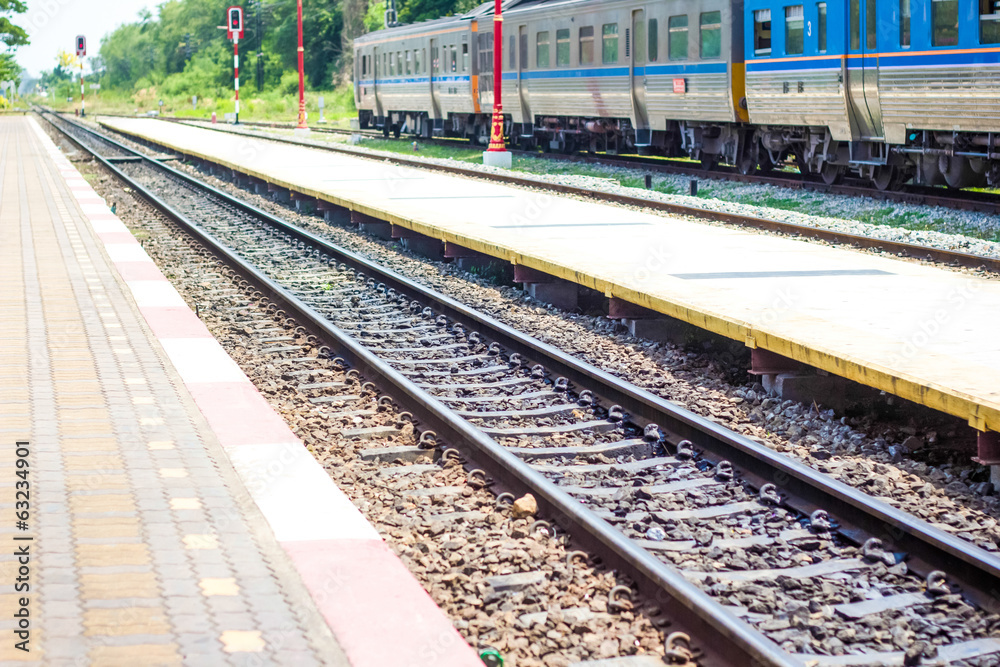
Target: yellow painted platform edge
959,404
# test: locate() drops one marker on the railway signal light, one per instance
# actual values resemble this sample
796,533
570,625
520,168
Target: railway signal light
234,22
81,45
234,30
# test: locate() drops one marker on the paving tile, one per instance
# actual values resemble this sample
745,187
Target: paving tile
140,654
147,558
237,641
109,586
126,621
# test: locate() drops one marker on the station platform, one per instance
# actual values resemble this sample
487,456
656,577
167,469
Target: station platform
921,332
170,517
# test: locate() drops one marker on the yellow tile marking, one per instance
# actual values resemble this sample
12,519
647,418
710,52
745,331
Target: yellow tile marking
78,462
121,585
185,504
82,413
115,502
211,587
103,555
161,444
142,400
161,655
125,621
114,526
97,481
201,542
242,641
89,445
167,473
135,381
151,421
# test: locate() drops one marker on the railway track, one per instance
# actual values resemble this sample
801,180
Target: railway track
759,559
968,200
897,248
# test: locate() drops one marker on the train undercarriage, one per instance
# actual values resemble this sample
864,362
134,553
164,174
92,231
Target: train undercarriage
931,158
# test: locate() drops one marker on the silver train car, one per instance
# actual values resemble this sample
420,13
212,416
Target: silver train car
891,90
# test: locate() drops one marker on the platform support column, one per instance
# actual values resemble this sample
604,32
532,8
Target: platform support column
548,289
988,454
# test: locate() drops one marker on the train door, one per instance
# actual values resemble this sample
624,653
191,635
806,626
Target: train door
376,73
637,77
433,67
862,68
522,67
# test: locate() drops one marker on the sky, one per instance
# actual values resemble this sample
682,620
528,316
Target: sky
54,24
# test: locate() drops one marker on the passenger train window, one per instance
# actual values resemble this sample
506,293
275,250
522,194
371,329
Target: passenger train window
654,41
989,21
609,43
465,57
522,51
562,48
871,23
677,37
542,50
855,18
511,50
587,45
711,34
821,26
794,42
454,59
904,23
435,60
392,64
762,32
416,62
944,18
409,63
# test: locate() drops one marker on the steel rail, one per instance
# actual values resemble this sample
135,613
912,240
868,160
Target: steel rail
860,515
724,639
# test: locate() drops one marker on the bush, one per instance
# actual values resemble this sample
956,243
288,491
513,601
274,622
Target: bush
289,84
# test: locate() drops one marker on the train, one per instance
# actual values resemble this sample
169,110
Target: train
891,91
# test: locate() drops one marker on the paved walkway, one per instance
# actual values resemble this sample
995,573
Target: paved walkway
920,332
144,547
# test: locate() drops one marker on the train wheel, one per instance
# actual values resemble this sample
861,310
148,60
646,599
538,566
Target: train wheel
709,162
385,130
886,177
831,173
766,165
395,131
747,163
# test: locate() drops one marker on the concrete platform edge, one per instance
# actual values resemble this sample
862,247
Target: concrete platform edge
979,416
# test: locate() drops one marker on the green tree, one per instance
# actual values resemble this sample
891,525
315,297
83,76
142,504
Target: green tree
10,34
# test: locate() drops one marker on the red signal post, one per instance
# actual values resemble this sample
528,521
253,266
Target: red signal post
81,51
234,30
497,154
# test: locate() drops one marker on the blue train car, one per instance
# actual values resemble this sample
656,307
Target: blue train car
893,89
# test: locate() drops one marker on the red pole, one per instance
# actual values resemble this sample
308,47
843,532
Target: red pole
496,130
302,79
236,74
83,92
